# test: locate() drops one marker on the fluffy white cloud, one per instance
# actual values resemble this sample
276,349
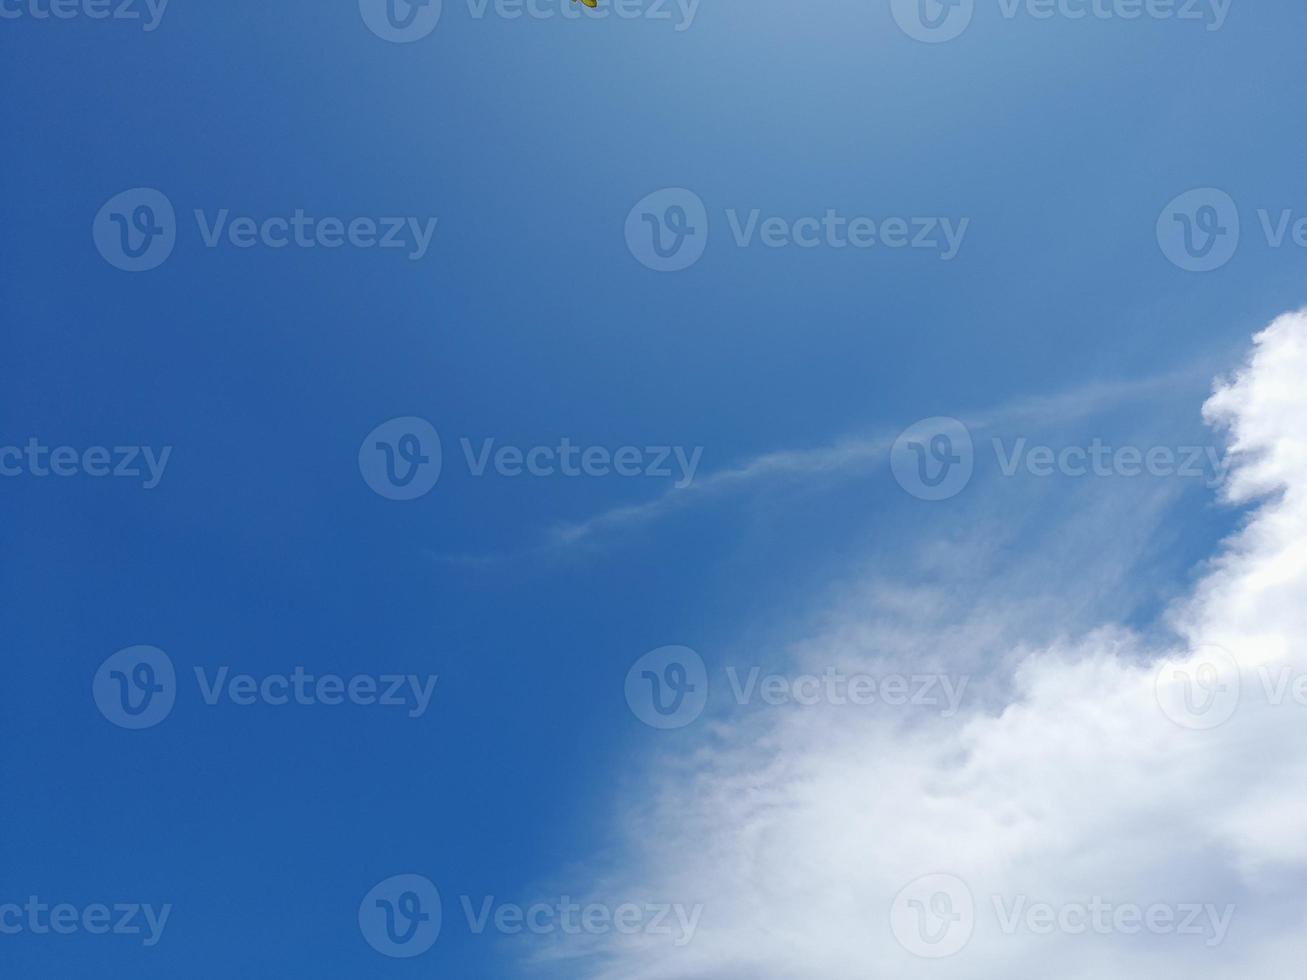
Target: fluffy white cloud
1102,774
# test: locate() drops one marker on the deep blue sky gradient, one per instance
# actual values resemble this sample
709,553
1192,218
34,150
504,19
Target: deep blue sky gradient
528,320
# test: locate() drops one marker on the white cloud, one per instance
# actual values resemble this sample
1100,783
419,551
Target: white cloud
1069,782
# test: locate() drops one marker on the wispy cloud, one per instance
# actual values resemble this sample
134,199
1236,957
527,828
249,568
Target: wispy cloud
1102,777
843,458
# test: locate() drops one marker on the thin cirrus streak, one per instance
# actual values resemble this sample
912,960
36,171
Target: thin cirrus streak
845,457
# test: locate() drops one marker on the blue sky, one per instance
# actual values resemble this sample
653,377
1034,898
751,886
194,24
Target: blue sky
528,320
